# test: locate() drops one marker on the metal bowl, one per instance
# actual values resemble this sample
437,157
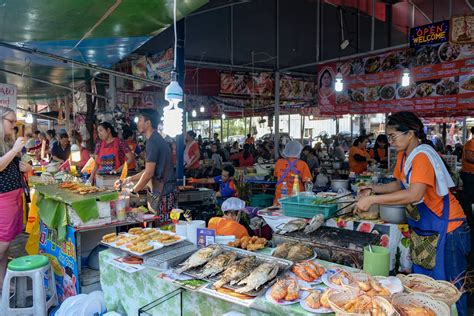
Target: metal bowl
395,214
336,184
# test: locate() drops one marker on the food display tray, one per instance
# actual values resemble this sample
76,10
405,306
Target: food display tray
303,207
284,267
156,245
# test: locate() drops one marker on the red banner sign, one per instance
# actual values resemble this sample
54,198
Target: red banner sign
442,79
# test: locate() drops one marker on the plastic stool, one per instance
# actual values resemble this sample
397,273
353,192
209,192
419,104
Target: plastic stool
35,267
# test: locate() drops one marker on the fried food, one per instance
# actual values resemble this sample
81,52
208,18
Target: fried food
314,300
109,238
249,243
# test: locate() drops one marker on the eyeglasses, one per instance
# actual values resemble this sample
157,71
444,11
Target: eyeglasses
13,122
391,138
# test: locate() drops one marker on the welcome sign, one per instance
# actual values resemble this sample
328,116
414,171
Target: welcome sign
8,95
433,33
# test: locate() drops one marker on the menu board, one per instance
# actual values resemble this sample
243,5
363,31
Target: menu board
262,85
442,79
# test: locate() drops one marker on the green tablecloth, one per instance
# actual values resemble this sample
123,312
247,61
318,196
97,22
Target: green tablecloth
52,203
126,293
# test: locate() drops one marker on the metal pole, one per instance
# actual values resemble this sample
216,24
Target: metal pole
318,28
222,131
464,130
81,64
52,84
289,124
277,114
180,69
372,37
352,127
112,92
232,35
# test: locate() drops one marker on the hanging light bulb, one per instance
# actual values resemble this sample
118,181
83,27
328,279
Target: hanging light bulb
135,119
29,119
339,85
311,117
406,78
202,109
193,113
173,114
223,116
75,153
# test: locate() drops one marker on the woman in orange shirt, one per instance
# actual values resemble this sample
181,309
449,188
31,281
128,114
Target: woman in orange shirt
228,225
192,155
440,237
380,151
286,169
358,155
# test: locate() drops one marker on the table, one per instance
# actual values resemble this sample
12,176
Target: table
127,293
395,237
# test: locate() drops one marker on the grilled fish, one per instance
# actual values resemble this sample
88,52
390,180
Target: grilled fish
316,222
300,252
264,273
218,264
294,225
281,250
200,257
237,271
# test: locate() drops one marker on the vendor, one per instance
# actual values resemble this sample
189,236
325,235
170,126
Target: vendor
111,152
62,149
287,167
158,177
423,182
380,151
192,155
132,144
228,225
358,155
225,181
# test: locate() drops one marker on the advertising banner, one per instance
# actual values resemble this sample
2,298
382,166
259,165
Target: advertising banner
8,95
62,257
442,78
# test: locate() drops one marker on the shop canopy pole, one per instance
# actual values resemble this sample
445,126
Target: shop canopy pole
277,113
464,130
112,91
180,69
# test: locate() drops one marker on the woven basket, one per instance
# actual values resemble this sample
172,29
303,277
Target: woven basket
422,300
339,298
448,293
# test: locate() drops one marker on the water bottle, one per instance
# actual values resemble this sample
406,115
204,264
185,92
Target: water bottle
284,190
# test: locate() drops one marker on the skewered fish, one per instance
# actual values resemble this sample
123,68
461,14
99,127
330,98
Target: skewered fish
218,264
294,225
282,250
200,257
237,271
300,252
264,273
316,222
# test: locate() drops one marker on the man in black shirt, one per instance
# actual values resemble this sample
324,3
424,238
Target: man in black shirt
158,176
62,149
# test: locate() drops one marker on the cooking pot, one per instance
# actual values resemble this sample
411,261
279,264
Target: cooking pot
394,214
337,184
336,165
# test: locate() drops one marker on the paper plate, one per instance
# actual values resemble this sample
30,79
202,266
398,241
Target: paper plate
321,310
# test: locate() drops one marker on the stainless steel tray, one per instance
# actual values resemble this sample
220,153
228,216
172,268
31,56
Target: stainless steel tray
284,267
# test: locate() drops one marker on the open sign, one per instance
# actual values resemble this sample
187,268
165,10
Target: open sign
429,34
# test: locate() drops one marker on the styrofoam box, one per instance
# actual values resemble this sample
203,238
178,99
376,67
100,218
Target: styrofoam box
104,216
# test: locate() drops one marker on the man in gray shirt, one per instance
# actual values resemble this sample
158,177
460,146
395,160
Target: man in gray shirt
158,176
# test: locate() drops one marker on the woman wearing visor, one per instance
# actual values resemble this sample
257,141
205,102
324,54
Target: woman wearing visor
228,225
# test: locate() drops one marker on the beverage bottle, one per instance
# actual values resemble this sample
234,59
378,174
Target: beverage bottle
284,190
296,186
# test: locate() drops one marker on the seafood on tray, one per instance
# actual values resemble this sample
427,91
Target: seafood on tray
301,223
318,299
285,290
308,271
361,304
261,275
293,251
200,257
249,243
218,264
237,271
